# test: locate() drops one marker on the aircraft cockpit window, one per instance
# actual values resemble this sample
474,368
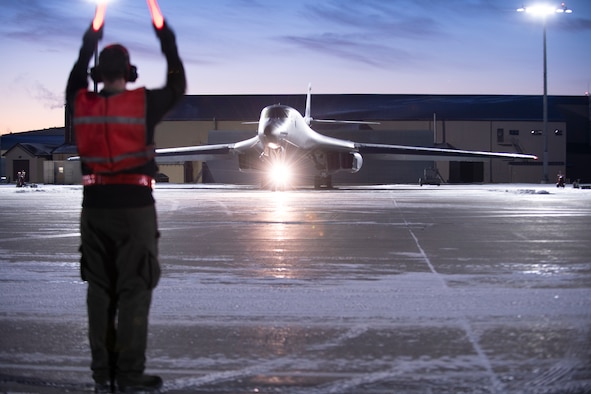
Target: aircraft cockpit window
277,112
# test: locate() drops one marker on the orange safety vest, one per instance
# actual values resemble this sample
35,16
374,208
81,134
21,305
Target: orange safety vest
111,131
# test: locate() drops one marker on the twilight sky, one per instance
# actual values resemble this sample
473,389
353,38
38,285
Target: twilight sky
277,47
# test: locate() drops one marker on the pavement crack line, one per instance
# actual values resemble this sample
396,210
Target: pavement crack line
260,368
497,385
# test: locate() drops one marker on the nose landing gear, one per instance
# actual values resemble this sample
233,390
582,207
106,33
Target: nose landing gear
321,180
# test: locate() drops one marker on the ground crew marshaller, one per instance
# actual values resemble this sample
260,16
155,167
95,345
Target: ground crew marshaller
114,132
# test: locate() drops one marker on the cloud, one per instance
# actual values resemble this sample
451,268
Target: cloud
350,48
46,97
376,19
40,21
575,24
373,33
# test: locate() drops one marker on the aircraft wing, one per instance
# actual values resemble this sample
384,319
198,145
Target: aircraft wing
341,121
403,152
204,152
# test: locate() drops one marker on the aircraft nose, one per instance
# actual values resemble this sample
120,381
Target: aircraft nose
272,127
273,130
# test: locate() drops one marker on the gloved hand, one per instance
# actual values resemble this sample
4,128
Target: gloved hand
166,36
91,37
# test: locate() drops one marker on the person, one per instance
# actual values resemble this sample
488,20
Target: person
20,180
560,180
114,132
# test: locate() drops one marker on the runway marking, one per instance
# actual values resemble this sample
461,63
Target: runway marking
44,367
278,363
265,367
352,333
496,383
218,377
29,237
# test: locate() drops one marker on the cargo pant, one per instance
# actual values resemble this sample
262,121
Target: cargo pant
119,249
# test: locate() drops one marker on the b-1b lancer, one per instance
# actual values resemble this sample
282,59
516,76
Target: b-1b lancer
285,140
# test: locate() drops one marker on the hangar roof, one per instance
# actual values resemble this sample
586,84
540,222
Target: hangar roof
53,136
379,106
34,149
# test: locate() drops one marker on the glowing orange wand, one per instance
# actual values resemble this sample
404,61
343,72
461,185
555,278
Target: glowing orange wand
99,16
157,17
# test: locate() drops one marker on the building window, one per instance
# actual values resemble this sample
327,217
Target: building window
500,135
513,132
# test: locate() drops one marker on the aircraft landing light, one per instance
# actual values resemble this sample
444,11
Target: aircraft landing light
280,175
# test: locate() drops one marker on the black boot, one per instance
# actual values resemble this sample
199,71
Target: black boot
139,384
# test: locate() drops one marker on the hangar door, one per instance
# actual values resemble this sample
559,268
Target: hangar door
18,166
466,172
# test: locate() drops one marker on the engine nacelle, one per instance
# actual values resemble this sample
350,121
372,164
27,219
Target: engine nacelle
357,162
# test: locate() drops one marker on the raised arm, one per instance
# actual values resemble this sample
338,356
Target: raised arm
175,80
78,78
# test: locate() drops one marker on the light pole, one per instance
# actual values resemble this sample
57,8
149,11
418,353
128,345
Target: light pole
544,11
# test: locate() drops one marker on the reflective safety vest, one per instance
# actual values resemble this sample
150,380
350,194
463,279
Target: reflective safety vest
111,131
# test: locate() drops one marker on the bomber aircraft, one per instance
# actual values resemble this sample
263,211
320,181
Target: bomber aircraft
285,140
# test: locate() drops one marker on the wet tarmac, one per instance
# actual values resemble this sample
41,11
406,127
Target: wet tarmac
385,289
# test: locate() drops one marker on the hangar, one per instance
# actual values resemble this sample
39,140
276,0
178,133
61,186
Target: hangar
502,123
28,152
